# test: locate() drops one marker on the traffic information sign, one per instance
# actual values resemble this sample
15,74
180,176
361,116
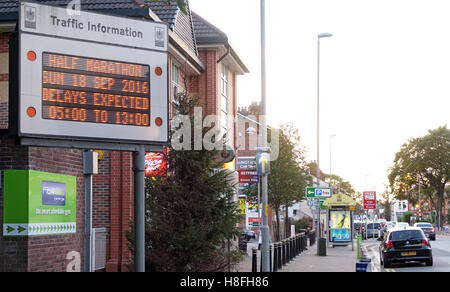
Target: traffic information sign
93,77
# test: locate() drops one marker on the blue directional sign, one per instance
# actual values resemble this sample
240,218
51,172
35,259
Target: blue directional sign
263,163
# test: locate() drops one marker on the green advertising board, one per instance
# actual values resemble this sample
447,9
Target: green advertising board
38,203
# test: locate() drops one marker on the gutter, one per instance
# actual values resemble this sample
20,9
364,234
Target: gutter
227,45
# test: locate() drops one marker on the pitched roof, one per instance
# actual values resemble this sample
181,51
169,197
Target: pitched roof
205,32
208,34
179,23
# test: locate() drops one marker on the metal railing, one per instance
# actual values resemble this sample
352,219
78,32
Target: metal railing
284,251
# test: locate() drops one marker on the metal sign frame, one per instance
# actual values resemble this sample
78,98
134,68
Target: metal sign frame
26,90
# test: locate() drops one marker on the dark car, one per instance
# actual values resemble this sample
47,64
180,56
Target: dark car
249,234
373,230
404,245
428,229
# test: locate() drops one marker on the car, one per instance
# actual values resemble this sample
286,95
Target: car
249,234
401,224
428,229
388,226
404,244
373,230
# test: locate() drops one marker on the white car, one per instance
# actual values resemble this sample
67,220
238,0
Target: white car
401,224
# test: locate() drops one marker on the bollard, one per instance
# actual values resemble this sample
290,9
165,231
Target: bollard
280,260
288,250
284,251
270,258
302,242
298,244
295,245
275,257
254,259
292,248
291,254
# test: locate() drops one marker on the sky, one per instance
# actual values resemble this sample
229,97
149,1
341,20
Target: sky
384,75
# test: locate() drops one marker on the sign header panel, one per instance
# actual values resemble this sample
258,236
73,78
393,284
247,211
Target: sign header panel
94,27
80,87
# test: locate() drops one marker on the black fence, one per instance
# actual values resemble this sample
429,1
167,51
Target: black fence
284,251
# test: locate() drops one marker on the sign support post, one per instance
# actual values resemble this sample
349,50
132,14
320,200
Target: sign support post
90,167
139,209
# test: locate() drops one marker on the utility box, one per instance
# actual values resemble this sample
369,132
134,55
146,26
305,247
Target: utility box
322,246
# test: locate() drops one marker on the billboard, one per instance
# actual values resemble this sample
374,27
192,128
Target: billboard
91,76
39,203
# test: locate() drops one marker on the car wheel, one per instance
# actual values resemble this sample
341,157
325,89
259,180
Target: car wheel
386,264
429,262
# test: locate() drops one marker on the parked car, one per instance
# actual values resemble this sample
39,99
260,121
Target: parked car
388,226
405,244
249,234
373,230
401,224
428,229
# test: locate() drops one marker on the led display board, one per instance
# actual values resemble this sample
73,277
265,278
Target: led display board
95,91
90,76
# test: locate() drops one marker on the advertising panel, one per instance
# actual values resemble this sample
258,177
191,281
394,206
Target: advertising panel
39,203
156,164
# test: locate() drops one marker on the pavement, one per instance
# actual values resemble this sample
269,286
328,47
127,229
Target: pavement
338,259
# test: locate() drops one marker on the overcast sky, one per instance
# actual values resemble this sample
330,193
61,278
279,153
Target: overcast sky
384,77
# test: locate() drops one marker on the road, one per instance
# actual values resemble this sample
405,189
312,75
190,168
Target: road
441,257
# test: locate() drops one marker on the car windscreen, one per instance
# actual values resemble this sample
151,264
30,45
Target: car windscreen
373,226
424,225
406,235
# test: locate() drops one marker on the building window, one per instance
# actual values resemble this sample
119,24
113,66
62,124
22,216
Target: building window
176,86
224,98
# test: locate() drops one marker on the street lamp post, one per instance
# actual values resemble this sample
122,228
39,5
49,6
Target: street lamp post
319,36
265,233
331,136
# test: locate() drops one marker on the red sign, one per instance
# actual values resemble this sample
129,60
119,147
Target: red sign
370,200
248,176
156,164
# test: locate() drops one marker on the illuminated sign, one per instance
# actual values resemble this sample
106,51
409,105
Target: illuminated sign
91,77
97,91
156,164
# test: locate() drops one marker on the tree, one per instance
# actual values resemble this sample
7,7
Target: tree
288,178
424,161
386,203
191,215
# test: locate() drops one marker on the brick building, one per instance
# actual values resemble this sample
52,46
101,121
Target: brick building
201,60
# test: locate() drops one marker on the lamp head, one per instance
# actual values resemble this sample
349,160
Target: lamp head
324,35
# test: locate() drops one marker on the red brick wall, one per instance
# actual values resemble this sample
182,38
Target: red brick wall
207,82
121,211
